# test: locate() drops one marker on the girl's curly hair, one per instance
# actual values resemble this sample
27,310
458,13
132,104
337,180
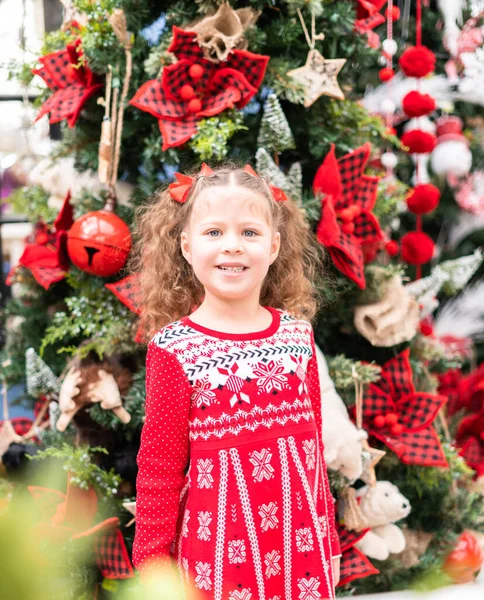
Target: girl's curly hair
169,288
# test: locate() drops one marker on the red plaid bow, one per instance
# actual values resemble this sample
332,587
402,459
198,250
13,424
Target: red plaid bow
72,81
354,564
45,254
207,91
180,188
470,439
402,418
70,516
346,218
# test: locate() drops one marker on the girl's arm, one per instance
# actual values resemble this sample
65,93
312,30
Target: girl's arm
162,459
315,396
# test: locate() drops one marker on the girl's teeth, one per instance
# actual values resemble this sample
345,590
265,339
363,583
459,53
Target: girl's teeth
233,269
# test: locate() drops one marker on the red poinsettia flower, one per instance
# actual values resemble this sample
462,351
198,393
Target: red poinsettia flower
347,222
71,516
470,439
194,87
72,81
354,564
402,418
45,253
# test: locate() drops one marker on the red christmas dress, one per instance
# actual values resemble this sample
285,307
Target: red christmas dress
252,518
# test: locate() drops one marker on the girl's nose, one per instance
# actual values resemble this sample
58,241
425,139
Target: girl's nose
232,245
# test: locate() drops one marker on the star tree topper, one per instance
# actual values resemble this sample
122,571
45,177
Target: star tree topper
318,76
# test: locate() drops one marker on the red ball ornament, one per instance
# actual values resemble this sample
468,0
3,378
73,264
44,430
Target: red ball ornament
417,248
391,419
423,199
386,74
418,141
416,104
195,105
196,71
392,248
396,429
187,92
426,329
417,61
99,243
379,421
465,560
394,13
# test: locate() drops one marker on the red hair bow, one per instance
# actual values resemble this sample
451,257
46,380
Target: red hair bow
277,193
180,189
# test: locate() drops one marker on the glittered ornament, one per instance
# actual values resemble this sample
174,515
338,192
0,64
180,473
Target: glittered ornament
417,61
99,243
417,248
423,199
318,77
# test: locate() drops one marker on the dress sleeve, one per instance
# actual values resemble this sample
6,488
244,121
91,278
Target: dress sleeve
162,459
315,396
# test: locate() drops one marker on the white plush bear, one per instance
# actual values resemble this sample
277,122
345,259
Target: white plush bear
381,506
341,439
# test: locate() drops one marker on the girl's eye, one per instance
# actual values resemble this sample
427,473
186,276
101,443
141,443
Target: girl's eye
213,233
250,233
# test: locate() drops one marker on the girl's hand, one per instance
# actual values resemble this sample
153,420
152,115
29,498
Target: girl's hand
336,565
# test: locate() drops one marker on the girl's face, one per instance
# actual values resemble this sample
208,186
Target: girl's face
230,243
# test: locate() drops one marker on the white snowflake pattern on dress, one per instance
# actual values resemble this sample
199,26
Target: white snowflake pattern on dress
243,594
309,447
237,552
271,560
202,394
304,539
204,520
186,518
309,588
262,465
202,580
234,383
270,376
268,516
205,467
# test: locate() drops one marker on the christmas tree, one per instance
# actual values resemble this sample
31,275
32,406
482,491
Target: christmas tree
336,102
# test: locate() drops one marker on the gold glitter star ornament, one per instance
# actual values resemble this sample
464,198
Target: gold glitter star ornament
318,76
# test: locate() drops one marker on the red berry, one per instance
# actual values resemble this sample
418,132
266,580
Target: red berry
391,419
187,92
379,421
348,228
396,429
392,248
195,105
41,239
386,74
395,13
196,71
346,214
426,329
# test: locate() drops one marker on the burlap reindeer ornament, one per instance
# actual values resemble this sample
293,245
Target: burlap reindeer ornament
221,33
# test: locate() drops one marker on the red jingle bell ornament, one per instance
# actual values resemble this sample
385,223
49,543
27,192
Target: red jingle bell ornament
99,243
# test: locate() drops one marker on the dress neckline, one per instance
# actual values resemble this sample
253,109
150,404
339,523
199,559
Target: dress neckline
252,335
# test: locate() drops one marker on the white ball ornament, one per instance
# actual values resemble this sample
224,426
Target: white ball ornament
388,106
389,160
390,47
452,157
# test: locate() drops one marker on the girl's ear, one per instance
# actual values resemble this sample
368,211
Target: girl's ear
275,246
185,247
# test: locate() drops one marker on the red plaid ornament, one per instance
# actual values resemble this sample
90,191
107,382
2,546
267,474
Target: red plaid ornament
72,81
127,290
368,17
354,564
185,94
45,253
346,218
470,440
401,418
70,516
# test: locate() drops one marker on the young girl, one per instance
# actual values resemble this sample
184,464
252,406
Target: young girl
232,483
